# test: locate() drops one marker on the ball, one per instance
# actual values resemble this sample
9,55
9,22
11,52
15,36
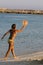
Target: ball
25,23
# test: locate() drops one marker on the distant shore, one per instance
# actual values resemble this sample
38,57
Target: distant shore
20,11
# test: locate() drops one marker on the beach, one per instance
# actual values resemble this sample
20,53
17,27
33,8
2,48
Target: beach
30,59
23,63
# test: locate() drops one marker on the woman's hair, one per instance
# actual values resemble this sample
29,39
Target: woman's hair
13,26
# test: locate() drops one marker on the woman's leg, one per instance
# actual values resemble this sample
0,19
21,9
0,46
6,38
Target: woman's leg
8,52
12,50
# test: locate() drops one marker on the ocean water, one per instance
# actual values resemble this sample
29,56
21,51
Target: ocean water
26,42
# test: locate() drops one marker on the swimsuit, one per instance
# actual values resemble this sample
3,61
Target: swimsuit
10,41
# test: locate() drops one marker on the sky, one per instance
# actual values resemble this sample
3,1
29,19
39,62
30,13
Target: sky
22,4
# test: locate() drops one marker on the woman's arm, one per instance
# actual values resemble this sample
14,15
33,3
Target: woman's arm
25,23
5,34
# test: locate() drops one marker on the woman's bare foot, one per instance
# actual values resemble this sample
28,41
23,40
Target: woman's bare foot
5,58
15,57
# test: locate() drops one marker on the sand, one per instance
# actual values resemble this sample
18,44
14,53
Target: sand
30,59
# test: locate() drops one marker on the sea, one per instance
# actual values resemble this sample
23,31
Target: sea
27,42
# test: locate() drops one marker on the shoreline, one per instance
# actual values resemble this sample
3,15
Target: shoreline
30,59
21,11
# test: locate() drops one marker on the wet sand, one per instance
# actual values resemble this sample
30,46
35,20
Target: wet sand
30,59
